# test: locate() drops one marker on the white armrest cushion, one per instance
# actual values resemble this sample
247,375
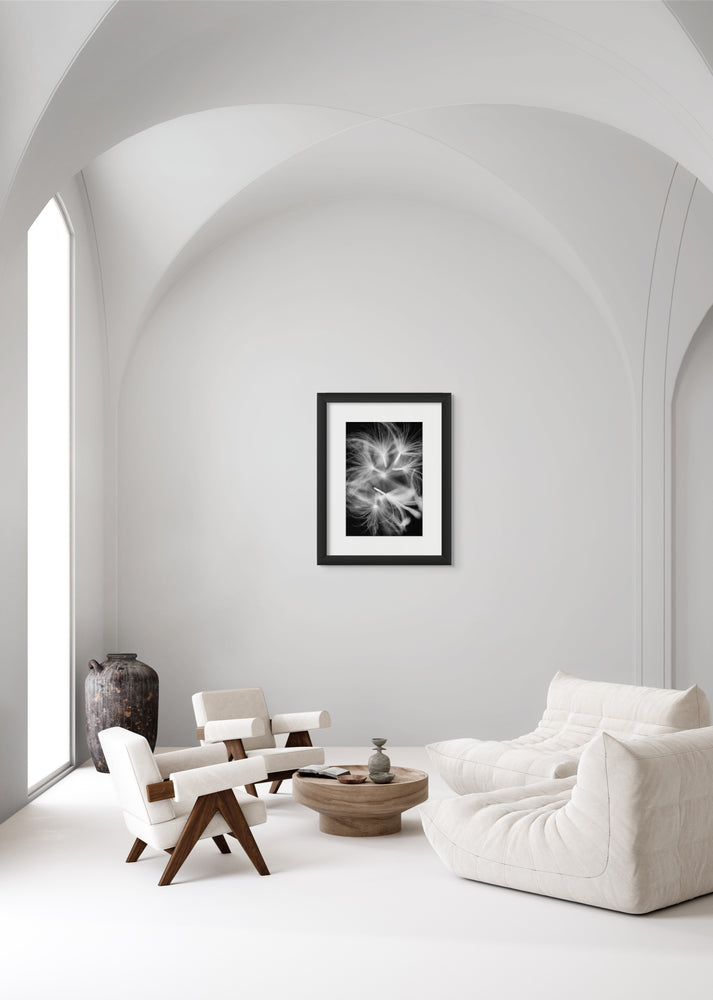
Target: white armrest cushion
183,760
297,722
233,729
188,785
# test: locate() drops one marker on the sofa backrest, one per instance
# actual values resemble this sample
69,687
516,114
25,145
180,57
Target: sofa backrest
625,709
237,703
132,767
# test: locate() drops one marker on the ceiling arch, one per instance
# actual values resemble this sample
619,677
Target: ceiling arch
631,66
556,180
508,75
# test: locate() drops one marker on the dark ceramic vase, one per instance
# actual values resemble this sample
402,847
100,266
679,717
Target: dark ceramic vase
121,691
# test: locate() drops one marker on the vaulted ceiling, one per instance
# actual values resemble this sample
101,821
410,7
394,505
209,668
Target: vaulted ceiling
190,121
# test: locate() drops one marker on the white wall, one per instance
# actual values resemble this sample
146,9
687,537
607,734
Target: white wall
218,582
693,515
13,532
689,389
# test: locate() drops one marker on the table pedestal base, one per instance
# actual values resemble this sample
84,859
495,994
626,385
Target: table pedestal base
360,826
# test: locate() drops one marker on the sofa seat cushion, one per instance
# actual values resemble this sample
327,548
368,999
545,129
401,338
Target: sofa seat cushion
516,827
469,765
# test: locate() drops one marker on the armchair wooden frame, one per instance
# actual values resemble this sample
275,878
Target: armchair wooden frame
203,811
236,751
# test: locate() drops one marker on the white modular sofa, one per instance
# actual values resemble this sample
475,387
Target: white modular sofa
633,831
577,710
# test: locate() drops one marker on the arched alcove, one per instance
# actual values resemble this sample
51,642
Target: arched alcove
217,446
692,639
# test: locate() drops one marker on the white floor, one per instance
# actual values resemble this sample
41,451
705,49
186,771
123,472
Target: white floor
338,918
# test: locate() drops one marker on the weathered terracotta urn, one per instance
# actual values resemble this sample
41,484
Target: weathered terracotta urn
121,691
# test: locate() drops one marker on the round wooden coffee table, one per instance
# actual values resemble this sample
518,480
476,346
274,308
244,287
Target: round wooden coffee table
367,810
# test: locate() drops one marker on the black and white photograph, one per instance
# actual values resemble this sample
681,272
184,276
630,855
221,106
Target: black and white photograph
383,478
384,494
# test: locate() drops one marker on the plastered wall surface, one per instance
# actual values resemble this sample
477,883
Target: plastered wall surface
13,533
692,638
217,456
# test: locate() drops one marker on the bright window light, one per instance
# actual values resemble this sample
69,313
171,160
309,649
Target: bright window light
49,273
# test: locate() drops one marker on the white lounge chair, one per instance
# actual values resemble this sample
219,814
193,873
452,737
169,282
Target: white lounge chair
239,718
171,801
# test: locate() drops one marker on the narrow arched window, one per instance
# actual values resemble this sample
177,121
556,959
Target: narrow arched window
49,496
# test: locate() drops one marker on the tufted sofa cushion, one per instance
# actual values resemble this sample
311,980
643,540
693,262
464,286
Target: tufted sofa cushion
633,831
577,710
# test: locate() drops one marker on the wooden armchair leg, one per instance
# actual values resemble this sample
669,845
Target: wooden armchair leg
236,751
300,739
222,844
200,816
136,851
240,829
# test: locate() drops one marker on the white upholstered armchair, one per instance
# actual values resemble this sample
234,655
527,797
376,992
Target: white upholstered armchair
632,831
239,719
172,800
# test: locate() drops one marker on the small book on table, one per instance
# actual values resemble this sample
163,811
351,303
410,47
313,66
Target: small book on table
321,771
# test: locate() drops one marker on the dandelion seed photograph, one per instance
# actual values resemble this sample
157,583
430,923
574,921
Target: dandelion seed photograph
384,478
384,472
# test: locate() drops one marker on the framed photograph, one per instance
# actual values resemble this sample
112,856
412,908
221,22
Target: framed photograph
384,478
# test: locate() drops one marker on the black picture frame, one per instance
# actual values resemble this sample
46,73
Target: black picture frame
344,421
